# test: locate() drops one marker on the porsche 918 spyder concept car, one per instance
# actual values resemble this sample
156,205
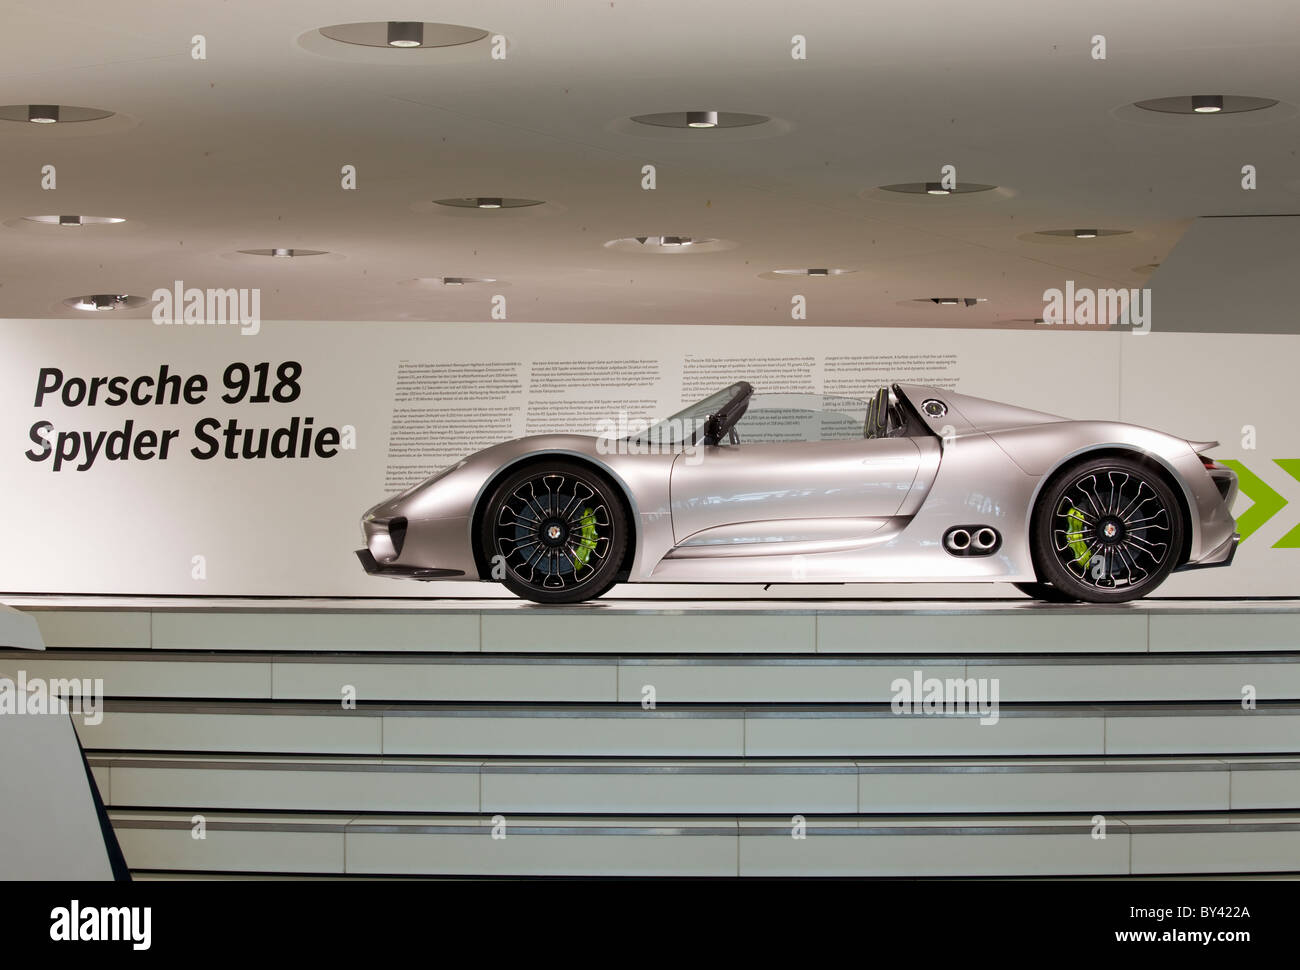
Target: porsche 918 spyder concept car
933,486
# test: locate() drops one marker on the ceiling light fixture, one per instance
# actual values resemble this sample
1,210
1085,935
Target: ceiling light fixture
487,202
669,245
101,302
405,34
1206,104
390,34
50,114
281,253
936,188
1078,233
824,272
700,119
74,220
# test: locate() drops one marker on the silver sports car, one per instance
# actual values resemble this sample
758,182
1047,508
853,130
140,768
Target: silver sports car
919,485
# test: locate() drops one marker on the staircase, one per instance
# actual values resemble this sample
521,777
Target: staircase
495,738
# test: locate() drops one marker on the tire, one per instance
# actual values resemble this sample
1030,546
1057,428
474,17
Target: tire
560,530
1045,592
1107,531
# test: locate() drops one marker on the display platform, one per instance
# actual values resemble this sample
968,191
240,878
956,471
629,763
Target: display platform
362,737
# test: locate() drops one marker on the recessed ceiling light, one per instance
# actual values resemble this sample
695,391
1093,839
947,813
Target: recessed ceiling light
1083,233
700,119
284,253
1202,104
488,202
815,271
678,245
442,281
402,34
50,114
936,188
74,220
100,302
954,300
666,240
405,33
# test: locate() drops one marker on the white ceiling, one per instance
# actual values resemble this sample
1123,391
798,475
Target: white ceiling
243,150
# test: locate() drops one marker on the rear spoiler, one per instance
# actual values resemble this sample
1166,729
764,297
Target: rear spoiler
1201,446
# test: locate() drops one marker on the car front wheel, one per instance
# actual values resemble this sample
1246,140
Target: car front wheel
555,533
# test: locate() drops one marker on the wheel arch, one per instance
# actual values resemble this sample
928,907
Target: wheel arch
597,468
1157,464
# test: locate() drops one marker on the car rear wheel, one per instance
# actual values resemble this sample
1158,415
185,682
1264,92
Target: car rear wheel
1107,531
555,533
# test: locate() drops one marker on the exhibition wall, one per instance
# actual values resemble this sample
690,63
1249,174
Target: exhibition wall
112,487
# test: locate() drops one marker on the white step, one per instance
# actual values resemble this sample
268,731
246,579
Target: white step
629,731
675,680
860,627
880,786
710,846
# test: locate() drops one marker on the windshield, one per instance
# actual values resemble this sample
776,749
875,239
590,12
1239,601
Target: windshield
684,427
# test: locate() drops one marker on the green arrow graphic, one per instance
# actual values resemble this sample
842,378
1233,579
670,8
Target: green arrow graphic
1292,539
1267,503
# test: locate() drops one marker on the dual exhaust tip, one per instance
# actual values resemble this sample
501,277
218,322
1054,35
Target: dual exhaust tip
972,540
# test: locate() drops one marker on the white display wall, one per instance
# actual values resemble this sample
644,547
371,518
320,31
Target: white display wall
414,397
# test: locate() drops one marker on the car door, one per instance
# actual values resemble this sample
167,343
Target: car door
768,498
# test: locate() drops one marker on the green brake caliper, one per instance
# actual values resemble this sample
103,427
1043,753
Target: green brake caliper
1080,548
587,539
